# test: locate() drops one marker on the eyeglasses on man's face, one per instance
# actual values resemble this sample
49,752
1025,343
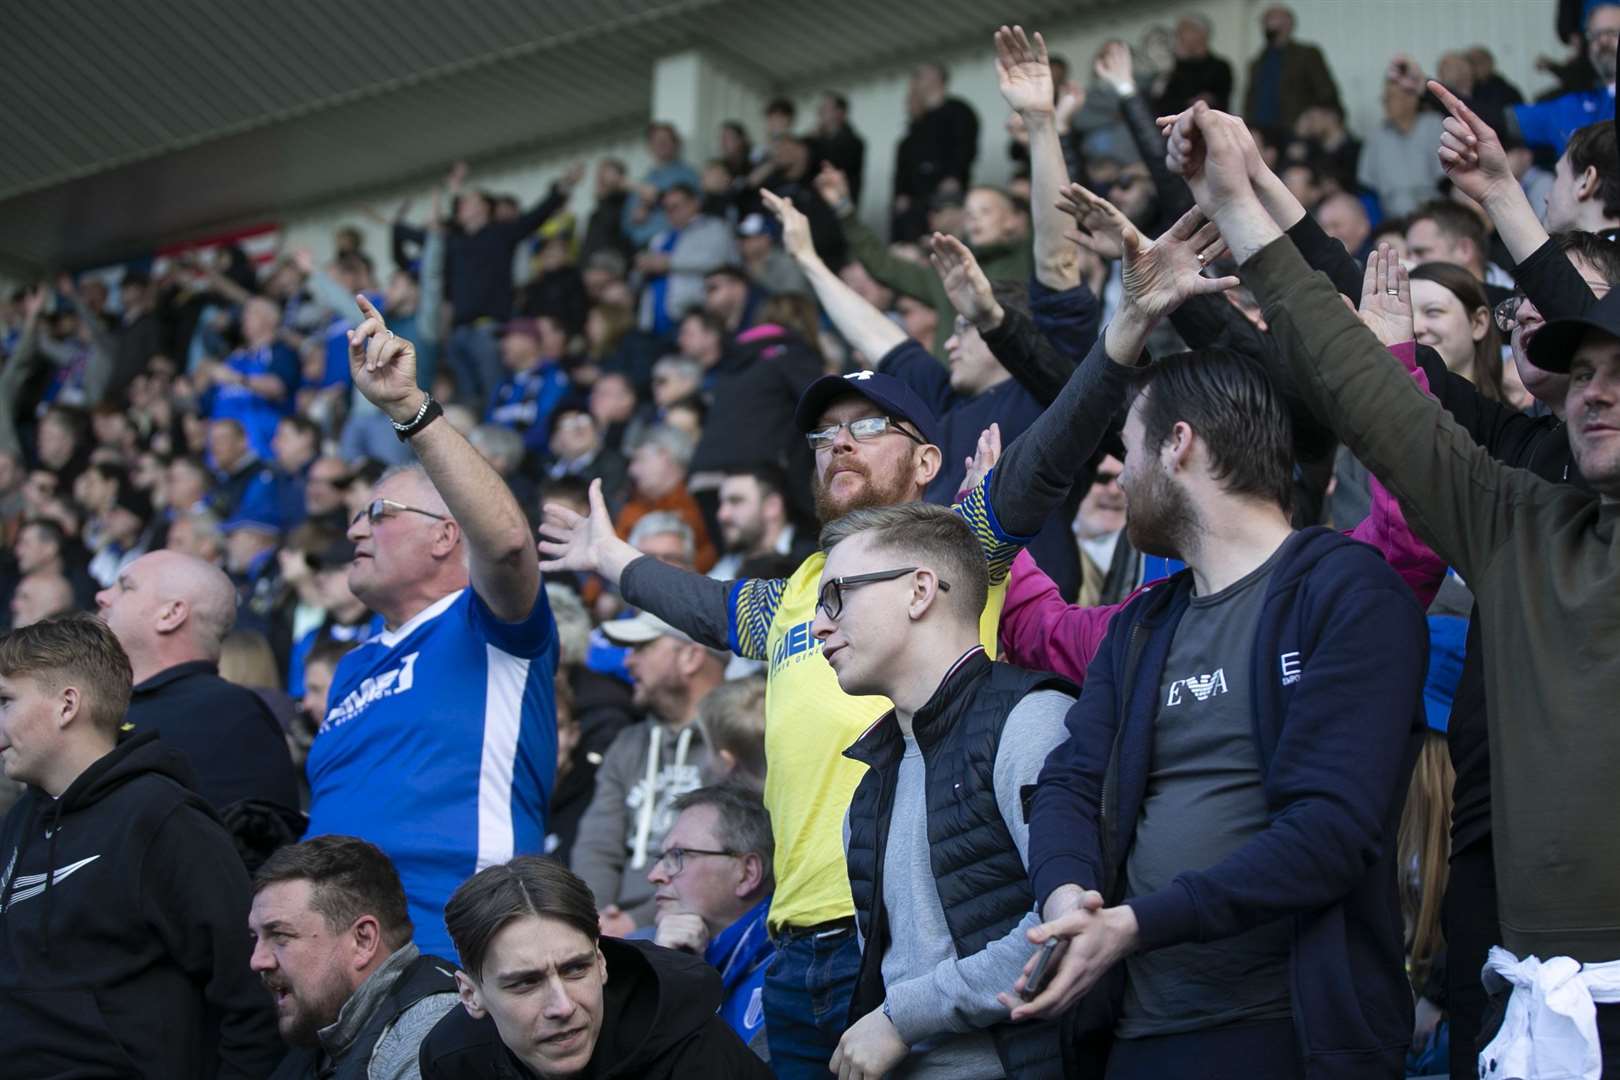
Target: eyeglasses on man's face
673,860
831,598
377,509
865,429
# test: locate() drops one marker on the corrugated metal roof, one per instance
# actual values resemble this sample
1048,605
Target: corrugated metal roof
128,123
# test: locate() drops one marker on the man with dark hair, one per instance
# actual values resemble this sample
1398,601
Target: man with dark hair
546,995
838,143
1551,123
755,519
1251,724
1442,231
1585,193
730,296
332,943
1561,276
122,899
938,151
936,838
643,214
478,276
713,881
677,258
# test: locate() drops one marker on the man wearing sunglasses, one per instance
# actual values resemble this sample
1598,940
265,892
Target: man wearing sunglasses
439,739
937,843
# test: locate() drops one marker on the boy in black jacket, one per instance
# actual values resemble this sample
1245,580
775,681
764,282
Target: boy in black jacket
122,899
546,996
1219,830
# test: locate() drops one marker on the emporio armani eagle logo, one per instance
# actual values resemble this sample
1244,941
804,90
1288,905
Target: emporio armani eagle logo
1203,687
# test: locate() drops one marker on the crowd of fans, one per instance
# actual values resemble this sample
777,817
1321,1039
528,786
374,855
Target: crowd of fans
1155,618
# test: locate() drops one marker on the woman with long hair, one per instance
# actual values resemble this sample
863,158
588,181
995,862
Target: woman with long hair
1452,315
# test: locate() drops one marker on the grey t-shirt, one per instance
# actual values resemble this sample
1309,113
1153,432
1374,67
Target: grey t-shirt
941,1003
1204,800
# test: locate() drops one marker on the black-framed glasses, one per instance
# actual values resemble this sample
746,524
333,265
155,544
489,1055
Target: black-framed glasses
865,429
1506,314
831,598
675,858
377,509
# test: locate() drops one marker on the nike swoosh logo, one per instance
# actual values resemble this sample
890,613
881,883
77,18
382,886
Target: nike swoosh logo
31,885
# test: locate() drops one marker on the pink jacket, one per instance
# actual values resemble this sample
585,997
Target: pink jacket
1042,631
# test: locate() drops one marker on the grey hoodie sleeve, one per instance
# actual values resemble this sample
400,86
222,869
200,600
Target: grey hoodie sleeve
959,995
599,848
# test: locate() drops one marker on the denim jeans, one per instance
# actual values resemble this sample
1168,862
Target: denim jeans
808,987
475,364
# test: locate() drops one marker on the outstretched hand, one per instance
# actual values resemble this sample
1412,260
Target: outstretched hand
985,456
1470,152
832,185
1159,275
795,226
1114,66
964,281
383,365
1023,71
573,541
1386,298
1210,149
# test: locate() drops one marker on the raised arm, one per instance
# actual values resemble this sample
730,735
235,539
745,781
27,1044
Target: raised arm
1114,67
24,361
1473,159
733,615
503,567
1025,76
430,279
866,328
864,245
1037,469
1456,497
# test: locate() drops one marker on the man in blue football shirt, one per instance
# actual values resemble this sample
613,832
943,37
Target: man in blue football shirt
439,742
1551,123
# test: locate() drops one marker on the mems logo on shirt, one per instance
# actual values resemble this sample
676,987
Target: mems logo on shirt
796,643
371,689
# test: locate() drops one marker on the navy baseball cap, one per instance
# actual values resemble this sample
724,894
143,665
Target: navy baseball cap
888,393
1554,345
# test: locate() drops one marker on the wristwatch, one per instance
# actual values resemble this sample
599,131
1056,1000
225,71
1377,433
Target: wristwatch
430,411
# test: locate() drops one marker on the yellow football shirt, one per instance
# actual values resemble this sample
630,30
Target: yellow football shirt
810,722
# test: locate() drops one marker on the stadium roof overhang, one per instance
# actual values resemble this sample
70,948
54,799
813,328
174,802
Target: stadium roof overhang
128,124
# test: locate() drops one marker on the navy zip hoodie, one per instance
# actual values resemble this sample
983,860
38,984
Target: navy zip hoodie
1338,662
123,931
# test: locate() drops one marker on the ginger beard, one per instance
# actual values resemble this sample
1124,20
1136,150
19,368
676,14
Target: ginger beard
838,496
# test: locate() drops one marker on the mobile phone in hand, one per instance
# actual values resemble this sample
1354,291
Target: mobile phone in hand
1043,970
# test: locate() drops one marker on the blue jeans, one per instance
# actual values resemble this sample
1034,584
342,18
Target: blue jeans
808,987
475,364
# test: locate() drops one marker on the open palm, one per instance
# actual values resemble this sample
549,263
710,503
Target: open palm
1023,71
1161,275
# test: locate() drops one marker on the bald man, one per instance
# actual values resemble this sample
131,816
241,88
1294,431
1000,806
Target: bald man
39,596
171,611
